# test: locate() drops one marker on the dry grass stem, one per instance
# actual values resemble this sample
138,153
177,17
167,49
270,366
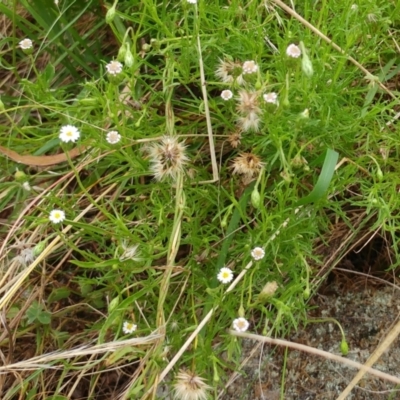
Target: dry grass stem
44,360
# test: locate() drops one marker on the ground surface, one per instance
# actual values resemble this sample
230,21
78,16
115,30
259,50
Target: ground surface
366,313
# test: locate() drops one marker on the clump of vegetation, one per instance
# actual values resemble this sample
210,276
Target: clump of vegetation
169,171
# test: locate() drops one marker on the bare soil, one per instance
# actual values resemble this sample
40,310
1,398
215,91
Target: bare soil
366,313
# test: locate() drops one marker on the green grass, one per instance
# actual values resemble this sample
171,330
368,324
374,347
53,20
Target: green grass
79,291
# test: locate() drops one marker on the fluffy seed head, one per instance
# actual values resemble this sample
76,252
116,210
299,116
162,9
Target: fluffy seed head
234,139
167,158
250,122
247,164
189,386
248,103
229,72
130,252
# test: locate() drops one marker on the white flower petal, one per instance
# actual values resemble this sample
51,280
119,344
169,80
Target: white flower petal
26,44
240,324
225,275
113,137
57,216
129,327
226,94
249,67
114,67
293,51
258,253
69,133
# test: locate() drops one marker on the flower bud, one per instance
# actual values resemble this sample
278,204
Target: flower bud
146,47
305,114
241,311
285,101
255,198
155,44
128,60
344,347
111,13
267,292
224,221
121,53
216,377
306,64
89,101
113,304
2,107
20,176
379,174
37,250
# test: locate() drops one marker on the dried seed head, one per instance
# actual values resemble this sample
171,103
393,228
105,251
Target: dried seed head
189,386
167,158
247,164
268,291
234,139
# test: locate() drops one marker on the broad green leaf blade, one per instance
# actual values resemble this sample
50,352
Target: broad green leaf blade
324,178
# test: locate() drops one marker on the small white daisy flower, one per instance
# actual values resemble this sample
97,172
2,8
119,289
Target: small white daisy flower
226,94
258,253
26,44
69,133
225,275
129,327
192,1
293,51
240,324
57,216
271,98
113,137
249,67
114,67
